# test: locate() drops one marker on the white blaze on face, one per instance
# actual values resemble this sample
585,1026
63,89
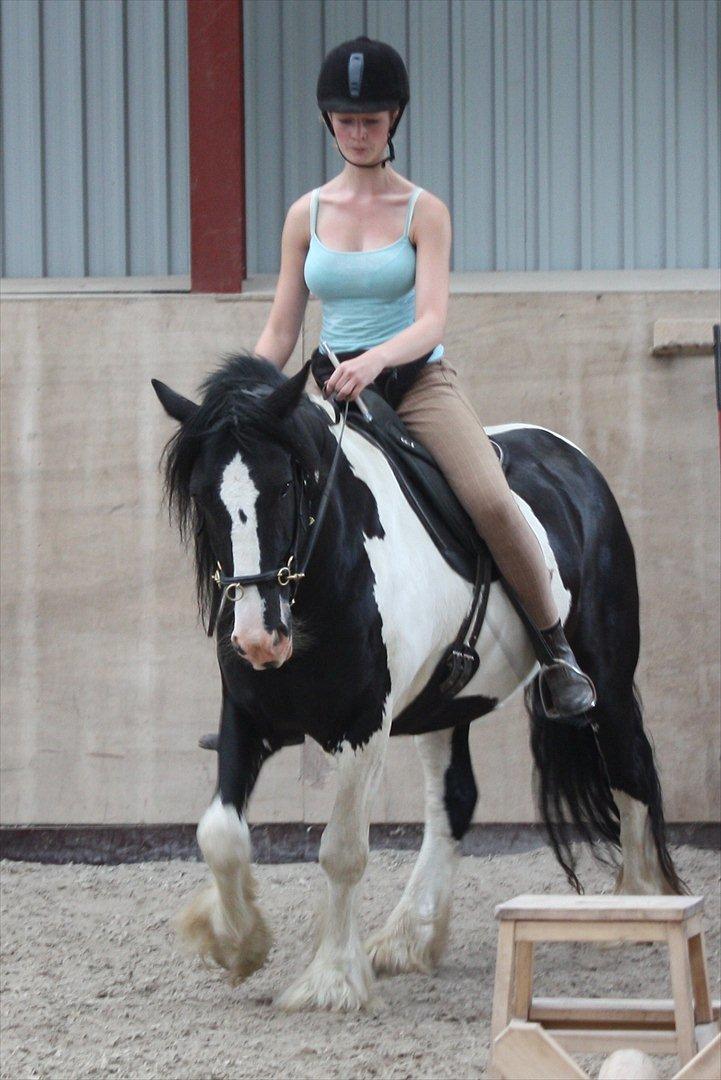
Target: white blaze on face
239,495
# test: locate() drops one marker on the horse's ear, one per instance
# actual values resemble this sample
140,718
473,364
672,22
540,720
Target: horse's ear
283,400
179,407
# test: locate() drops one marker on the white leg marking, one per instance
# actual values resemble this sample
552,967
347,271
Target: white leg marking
415,935
340,975
640,873
223,922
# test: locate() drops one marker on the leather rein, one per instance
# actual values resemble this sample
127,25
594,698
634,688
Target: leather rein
285,577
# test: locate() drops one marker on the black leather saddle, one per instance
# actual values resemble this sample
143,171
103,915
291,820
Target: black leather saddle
422,483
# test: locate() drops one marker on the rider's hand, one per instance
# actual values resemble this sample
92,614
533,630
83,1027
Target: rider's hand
352,376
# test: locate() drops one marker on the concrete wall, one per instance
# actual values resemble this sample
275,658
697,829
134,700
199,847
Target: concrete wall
107,678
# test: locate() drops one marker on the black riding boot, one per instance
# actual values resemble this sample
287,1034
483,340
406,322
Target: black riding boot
564,689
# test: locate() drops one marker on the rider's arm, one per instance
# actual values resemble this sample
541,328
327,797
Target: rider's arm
281,331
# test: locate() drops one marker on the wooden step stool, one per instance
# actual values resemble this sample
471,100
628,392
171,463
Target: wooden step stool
588,1024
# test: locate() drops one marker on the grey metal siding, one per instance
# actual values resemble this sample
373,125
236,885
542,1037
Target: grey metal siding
563,134
94,138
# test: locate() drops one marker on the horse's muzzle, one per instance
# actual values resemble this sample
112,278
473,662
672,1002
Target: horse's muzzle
263,651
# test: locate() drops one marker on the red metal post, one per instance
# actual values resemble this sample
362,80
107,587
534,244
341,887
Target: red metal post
217,150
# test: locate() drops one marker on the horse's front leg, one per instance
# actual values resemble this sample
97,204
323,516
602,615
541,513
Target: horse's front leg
414,937
340,975
223,922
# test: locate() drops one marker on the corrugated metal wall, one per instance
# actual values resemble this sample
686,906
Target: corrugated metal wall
563,134
94,138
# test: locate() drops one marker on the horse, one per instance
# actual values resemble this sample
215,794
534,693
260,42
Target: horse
339,650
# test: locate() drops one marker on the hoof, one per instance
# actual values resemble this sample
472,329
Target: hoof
408,945
341,985
206,931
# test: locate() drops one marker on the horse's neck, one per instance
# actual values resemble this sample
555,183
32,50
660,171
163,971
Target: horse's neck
339,552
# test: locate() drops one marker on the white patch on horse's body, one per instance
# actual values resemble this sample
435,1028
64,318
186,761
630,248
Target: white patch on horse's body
641,873
239,495
223,922
416,931
420,599
340,975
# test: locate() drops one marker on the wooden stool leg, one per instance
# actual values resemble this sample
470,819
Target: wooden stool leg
523,988
699,979
502,986
682,993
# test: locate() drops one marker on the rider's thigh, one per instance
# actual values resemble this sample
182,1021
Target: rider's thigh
439,414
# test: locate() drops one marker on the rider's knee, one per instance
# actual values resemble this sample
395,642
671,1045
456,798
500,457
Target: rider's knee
498,514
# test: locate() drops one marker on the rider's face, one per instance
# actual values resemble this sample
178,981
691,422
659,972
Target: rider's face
362,137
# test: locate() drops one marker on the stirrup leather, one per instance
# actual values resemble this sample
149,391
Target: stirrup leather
549,710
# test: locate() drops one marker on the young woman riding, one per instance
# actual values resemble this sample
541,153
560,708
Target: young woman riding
375,249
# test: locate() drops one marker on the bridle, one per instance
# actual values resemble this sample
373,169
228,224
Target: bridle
232,588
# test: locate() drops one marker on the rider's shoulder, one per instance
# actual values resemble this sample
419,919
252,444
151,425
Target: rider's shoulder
299,208
430,207
297,217
430,216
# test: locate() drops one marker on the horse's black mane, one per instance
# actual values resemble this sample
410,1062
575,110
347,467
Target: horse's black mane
233,403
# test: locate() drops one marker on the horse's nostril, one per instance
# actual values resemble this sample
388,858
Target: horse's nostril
270,664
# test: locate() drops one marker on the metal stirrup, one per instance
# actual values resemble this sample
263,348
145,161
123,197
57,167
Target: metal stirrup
551,712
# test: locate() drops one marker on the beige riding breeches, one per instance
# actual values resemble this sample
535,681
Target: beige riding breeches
438,413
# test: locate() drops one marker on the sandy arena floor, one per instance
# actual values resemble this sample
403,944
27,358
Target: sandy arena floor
94,986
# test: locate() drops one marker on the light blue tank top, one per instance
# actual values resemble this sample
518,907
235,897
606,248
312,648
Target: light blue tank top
367,296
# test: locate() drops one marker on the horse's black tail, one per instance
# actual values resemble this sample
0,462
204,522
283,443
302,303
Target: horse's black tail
574,790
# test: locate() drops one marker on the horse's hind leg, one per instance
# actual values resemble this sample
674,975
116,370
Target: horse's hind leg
415,935
223,922
614,795
647,868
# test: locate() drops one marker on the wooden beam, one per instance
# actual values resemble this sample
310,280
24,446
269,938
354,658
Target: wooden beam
526,1052
217,145
706,1065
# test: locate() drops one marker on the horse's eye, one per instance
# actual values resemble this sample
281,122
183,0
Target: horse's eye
285,489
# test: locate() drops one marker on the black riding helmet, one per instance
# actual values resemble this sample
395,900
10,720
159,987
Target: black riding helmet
363,76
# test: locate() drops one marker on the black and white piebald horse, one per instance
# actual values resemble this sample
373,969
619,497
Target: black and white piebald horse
245,473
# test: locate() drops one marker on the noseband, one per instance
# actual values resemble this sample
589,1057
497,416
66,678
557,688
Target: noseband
232,588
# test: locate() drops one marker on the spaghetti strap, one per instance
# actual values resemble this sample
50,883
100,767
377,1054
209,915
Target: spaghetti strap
314,210
411,207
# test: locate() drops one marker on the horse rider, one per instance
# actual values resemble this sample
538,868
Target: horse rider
375,249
